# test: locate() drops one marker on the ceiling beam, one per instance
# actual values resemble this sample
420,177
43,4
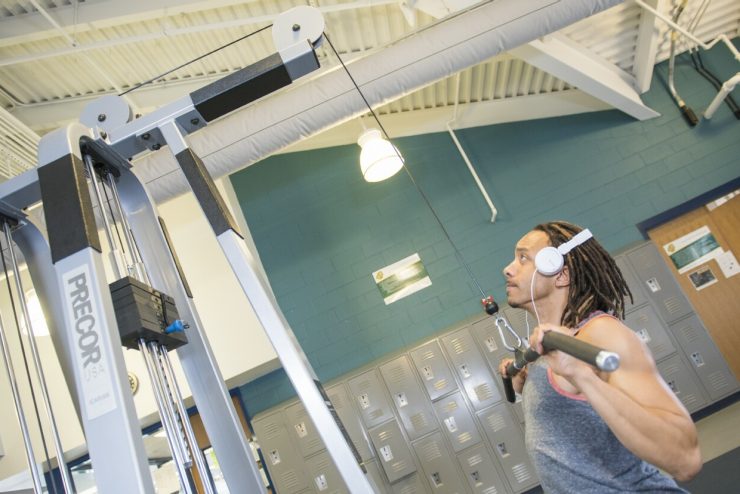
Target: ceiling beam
84,16
570,62
647,47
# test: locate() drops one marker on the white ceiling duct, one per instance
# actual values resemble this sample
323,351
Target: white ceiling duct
316,104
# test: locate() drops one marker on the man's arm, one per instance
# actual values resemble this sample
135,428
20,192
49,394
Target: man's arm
634,401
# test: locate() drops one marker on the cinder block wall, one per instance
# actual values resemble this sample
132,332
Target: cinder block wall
321,230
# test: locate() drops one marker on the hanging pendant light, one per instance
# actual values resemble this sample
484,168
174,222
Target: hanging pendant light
379,159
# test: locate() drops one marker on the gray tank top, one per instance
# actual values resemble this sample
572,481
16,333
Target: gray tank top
572,448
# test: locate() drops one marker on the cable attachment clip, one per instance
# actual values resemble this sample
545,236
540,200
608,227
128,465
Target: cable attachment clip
490,305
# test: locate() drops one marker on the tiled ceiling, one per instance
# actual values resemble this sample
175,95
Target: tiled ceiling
57,55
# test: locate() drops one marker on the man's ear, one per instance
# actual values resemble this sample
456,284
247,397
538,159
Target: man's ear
562,279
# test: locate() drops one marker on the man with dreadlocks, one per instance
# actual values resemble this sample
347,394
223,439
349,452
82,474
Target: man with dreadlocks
588,431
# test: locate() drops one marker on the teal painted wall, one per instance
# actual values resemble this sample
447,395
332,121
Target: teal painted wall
321,230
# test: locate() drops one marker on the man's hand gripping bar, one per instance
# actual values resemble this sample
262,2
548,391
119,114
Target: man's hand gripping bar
524,354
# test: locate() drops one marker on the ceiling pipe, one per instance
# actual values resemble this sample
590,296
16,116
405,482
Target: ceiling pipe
329,99
494,211
726,89
707,46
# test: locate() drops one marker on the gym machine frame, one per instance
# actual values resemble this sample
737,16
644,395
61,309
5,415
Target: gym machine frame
75,293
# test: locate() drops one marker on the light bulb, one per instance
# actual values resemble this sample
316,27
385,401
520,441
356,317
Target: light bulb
379,159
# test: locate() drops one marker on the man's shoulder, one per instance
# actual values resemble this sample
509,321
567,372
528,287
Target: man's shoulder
609,332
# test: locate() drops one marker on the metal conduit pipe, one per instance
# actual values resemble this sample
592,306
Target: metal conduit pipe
726,89
494,211
707,46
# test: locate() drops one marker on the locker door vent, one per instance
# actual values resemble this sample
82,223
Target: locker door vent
718,380
496,421
450,407
272,429
428,355
396,374
290,480
408,489
398,466
690,333
430,451
419,421
460,345
521,473
464,437
490,490
337,400
483,392
474,460
674,305
440,384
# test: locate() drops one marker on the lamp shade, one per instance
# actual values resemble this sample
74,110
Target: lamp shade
379,159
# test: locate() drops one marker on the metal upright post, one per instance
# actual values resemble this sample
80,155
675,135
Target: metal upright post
286,345
106,405
206,383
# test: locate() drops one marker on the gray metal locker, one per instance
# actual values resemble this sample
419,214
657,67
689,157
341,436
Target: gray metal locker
507,442
683,382
441,472
471,368
282,458
324,476
394,454
413,484
379,483
489,341
658,283
410,401
479,469
369,395
650,329
350,420
638,295
302,429
515,407
432,367
705,357
457,422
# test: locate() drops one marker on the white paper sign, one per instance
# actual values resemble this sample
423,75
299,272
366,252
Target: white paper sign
693,249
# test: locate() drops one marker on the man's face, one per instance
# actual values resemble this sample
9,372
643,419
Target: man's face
519,272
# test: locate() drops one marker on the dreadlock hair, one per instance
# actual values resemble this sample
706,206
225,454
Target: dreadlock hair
596,282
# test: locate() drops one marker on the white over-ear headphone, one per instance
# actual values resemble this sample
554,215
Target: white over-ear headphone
549,261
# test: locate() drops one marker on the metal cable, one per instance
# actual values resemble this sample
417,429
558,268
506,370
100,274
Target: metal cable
25,363
408,172
195,60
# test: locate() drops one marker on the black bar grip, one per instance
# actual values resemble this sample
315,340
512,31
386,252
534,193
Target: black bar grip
689,115
509,390
512,369
601,359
